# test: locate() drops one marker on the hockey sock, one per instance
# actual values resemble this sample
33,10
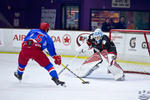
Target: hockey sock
51,70
21,69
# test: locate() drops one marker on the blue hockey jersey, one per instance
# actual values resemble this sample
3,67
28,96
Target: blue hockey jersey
43,38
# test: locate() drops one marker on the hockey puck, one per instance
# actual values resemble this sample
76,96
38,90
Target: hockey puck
85,82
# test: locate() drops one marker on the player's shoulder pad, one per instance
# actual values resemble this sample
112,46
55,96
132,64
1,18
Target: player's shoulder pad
105,39
34,29
49,39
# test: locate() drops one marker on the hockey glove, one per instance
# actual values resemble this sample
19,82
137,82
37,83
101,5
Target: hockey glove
57,59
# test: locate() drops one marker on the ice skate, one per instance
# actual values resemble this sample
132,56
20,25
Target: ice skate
58,82
19,77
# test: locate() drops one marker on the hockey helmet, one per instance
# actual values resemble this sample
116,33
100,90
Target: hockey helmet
44,26
97,34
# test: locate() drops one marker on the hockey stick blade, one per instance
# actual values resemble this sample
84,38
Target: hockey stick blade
85,82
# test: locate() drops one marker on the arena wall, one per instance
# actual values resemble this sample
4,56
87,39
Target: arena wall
66,43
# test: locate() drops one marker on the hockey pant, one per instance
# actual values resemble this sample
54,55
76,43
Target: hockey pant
34,52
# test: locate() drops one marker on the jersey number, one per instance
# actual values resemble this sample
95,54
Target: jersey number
39,38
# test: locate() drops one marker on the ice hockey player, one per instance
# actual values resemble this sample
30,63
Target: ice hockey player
100,43
32,48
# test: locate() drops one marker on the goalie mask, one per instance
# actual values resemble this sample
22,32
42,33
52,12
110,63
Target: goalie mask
97,35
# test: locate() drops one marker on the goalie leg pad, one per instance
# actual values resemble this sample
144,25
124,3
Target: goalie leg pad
116,72
90,71
114,68
86,70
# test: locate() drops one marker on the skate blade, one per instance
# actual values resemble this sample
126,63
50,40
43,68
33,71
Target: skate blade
64,85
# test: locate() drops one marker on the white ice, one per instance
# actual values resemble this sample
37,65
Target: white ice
37,84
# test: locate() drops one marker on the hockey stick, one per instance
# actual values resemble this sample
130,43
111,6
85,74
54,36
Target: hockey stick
97,52
83,82
68,64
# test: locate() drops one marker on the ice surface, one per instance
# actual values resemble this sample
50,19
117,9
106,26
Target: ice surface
37,84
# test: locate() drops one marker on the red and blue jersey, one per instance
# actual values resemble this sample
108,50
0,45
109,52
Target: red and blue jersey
43,38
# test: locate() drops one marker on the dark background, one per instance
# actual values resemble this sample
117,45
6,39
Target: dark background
30,11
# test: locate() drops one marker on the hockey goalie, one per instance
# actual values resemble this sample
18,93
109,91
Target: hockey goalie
104,49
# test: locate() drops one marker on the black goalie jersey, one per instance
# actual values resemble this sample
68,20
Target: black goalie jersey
103,44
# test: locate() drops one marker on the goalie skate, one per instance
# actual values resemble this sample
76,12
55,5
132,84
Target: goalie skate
121,78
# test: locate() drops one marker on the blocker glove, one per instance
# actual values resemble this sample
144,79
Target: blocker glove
57,59
84,47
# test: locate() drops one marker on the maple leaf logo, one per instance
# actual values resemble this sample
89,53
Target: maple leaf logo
66,39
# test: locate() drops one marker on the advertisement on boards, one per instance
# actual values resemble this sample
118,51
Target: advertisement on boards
18,37
136,45
119,41
62,39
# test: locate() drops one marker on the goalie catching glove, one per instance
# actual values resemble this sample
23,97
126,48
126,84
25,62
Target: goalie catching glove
57,59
